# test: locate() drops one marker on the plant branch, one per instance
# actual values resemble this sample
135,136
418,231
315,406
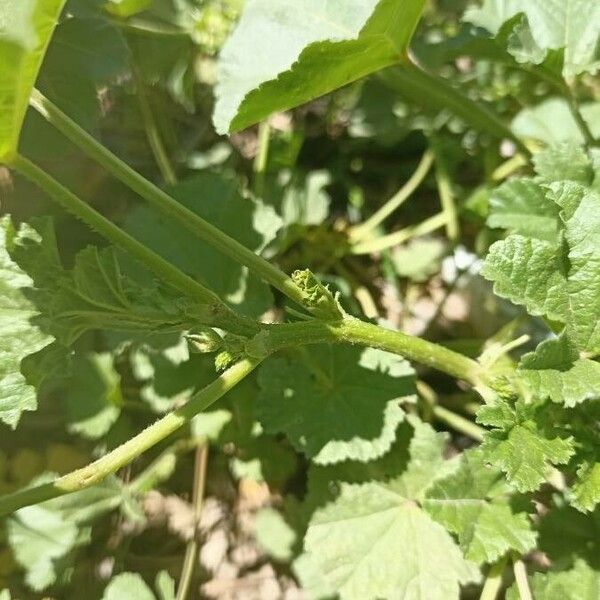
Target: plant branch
399,237
444,186
165,203
262,155
191,551
361,231
217,312
458,423
435,93
124,454
493,581
521,579
353,331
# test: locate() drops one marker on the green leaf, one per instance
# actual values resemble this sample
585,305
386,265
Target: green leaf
572,25
565,161
93,396
556,371
274,535
282,56
216,199
336,403
128,585
582,582
19,337
552,122
25,31
375,541
39,538
95,294
521,206
521,444
586,490
165,586
474,503
419,259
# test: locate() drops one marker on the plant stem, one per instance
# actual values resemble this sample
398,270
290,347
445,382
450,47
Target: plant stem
399,237
152,131
124,454
159,199
521,579
361,231
444,186
217,312
262,155
458,423
354,331
191,551
493,581
435,93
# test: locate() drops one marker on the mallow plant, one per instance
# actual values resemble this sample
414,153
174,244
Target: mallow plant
393,507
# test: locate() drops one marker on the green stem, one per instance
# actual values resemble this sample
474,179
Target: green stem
520,572
260,162
152,131
399,237
575,109
459,423
124,454
361,231
191,551
218,312
493,581
444,186
354,331
435,93
169,206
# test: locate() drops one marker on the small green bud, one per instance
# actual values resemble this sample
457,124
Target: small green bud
204,342
316,295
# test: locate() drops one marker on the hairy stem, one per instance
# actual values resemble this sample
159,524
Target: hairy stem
219,312
435,93
354,331
399,237
124,454
165,203
361,231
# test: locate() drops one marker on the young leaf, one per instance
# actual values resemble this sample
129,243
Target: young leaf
556,371
128,585
572,25
520,445
19,337
474,503
336,403
283,55
26,27
374,540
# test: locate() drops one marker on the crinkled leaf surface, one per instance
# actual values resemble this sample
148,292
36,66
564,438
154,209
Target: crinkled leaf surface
26,27
558,278
216,199
19,337
572,25
335,403
474,503
521,445
375,541
556,371
284,53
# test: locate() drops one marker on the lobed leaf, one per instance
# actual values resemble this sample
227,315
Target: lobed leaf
286,53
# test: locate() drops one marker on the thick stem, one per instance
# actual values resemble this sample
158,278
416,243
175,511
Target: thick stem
123,455
220,314
399,237
493,581
435,93
169,206
361,231
354,331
